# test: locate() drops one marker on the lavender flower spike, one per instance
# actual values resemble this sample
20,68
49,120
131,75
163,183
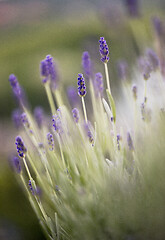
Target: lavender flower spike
81,85
38,114
16,164
153,59
50,141
16,118
57,124
72,96
134,91
15,86
86,64
21,149
25,120
104,50
98,84
76,116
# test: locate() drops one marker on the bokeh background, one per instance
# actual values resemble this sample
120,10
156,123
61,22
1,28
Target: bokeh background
29,30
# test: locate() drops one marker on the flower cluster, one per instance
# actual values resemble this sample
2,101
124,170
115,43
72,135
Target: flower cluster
104,50
21,149
81,85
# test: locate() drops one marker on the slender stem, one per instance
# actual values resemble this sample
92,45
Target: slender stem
27,169
145,91
50,98
62,155
84,109
107,77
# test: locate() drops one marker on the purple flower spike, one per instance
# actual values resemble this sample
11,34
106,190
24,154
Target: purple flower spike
81,85
25,120
21,149
15,86
153,59
132,6
16,164
48,71
122,69
130,142
16,118
98,84
57,124
31,187
50,141
39,115
76,116
72,96
104,50
86,64
158,26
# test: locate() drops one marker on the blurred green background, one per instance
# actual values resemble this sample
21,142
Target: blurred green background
29,30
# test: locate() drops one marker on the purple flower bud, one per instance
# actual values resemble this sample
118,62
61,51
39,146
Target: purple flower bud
153,59
16,118
134,91
72,96
86,64
50,141
145,67
104,50
81,85
44,68
119,138
57,124
76,115
132,6
15,86
21,149
39,116
16,164
122,69
130,142
98,84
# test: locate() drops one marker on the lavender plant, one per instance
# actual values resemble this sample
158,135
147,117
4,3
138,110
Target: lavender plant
92,177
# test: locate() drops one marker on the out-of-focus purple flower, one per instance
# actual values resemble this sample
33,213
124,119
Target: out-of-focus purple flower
39,116
152,58
21,149
122,69
50,141
16,118
98,84
25,120
48,71
31,187
76,116
72,96
104,50
16,164
81,85
145,67
130,142
133,7
15,86
118,140
57,124
134,91
89,133
87,65
158,26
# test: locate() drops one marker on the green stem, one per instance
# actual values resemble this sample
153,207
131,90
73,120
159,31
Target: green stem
84,109
107,77
50,98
